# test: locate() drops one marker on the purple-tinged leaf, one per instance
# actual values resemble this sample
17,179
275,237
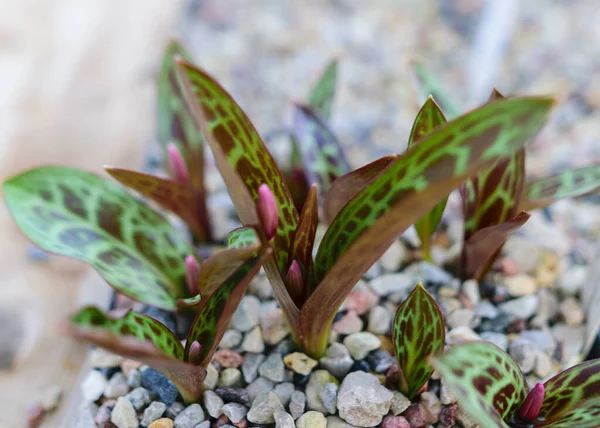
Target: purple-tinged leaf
418,334
177,165
304,239
486,381
216,311
296,283
80,215
143,339
322,94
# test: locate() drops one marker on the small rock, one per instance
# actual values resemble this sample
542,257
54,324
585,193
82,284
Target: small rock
273,368
460,335
134,378
158,383
261,286
253,341
284,391
548,304
274,327
399,403
520,285
127,366
362,400
123,414
571,312
573,280
394,257
361,299
235,395
471,290
416,416
432,405
393,283
526,255
543,364
360,344
448,415
231,339
317,379
543,340
206,424
311,419
117,386
571,338
250,366
283,420
446,396
153,412
349,323
328,396
462,318
213,403
50,398
264,407
523,352
523,307
337,422
380,360
428,273
212,377
337,360
93,385
235,412
300,363
174,409
139,397
498,339
247,314
228,358
395,422
465,419
85,416
104,412
380,320
297,404
486,309
259,386
101,359
162,423
189,417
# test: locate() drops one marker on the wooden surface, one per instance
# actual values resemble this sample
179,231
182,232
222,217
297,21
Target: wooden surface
76,88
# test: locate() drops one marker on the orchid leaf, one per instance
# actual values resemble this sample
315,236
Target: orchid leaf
429,117
428,85
570,183
486,381
243,237
304,240
349,185
216,311
572,398
418,333
406,190
176,197
322,94
80,215
220,265
143,339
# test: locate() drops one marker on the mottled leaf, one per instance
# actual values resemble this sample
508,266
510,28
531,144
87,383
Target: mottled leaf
405,191
486,381
80,215
143,339
221,264
216,311
176,197
243,237
418,333
322,94
429,85
570,183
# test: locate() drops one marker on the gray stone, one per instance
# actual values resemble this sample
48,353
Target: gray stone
139,397
316,380
543,340
102,359
247,314
174,409
571,311
206,424
159,384
573,280
360,344
85,416
498,339
337,360
486,309
462,317
337,422
426,272
260,385
253,341
446,396
274,327
399,403
123,415
264,407
231,339
328,396
284,391
283,420
311,419
189,417
471,290
213,403
460,335
543,364
392,283
432,405
523,352
380,320
116,386
521,308
93,385
235,412
297,404
362,400
273,368
250,366
394,257
212,377
524,253
153,412
134,378
230,377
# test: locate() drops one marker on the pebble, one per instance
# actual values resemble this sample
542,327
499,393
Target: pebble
104,411
261,286
523,253
247,314
362,400
471,289
123,414
394,257
85,415
228,358
349,323
162,423
465,419
212,377
548,304
235,395
328,396
543,365
573,280
460,335
462,317
543,340
391,421
428,273
317,379
520,285
206,424
300,363
571,312
273,368
116,386
50,398
235,412
361,299
284,391
380,361
337,360
93,385
250,366
498,339
393,283
230,377
360,344
380,320
447,397
337,422
486,309
311,419
523,352
258,386
448,415
189,417
570,337
153,412
253,341
522,307
231,339
159,384
283,420
213,403
139,397
274,327
101,359
432,405
416,416
399,403
174,409
297,404
134,378
128,366
264,407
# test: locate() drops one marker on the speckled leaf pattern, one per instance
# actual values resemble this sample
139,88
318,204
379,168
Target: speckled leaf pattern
486,381
428,85
428,118
418,334
322,155
219,266
322,94
243,237
213,318
240,154
572,398
80,215
405,191
570,183
176,197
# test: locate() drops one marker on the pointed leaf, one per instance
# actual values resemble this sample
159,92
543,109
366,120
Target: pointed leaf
221,265
406,190
429,85
573,398
176,197
349,185
487,382
418,333
570,183
213,318
143,339
304,240
80,215
322,94
243,237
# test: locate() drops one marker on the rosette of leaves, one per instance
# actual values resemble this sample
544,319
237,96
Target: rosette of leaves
491,388
311,291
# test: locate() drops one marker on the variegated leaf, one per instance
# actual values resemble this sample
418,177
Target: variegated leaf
243,237
80,215
418,334
221,264
322,94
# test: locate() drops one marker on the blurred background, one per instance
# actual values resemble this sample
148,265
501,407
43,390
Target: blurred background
77,89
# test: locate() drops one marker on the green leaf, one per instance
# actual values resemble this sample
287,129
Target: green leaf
409,187
486,381
80,215
570,183
429,117
243,237
215,313
418,334
143,339
429,85
176,197
572,398
322,94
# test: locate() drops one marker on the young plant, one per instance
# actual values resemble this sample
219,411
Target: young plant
491,388
311,291
419,333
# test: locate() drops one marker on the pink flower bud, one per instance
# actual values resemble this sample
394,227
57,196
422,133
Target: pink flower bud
192,274
177,164
268,214
295,282
530,409
194,355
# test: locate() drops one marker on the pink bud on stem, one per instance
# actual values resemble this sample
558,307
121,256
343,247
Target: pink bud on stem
177,164
194,355
192,274
530,409
268,213
295,282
